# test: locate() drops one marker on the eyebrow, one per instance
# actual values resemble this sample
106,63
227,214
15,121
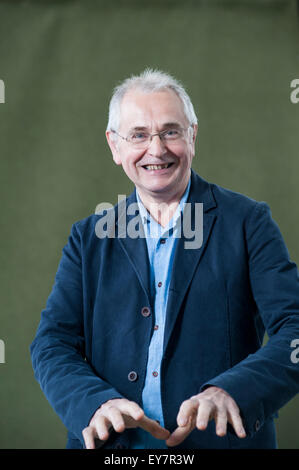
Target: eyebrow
175,125
166,125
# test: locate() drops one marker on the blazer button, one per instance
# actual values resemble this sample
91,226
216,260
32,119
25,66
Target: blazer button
257,425
132,376
145,311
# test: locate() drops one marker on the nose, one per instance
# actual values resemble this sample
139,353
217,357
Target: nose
156,146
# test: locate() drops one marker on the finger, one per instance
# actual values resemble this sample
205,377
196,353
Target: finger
154,428
130,408
187,410
102,426
122,413
204,414
116,419
88,436
180,434
235,420
221,423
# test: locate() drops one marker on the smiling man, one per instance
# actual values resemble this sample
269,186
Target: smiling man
147,344
158,164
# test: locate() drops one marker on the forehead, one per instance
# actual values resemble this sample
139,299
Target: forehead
151,109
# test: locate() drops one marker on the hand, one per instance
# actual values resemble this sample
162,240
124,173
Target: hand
212,403
119,414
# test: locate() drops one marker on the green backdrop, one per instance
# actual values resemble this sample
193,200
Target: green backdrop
59,61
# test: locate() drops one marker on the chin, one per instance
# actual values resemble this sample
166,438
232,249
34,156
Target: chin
159,189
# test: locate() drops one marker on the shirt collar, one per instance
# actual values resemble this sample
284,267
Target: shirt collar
147,219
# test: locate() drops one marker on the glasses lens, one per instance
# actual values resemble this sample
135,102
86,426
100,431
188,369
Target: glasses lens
139,138
142,139
172,134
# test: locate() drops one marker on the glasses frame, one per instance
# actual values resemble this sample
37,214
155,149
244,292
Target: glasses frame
160,134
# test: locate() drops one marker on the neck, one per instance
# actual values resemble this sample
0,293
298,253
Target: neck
162,206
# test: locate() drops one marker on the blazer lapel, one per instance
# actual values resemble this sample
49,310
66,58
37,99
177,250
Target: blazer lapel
186,260
135,248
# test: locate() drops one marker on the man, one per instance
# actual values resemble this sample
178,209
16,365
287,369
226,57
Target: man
149,342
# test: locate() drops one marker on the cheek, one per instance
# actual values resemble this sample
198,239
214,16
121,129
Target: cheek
185,155
132,159
129,163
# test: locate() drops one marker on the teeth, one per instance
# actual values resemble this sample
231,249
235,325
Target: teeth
157,167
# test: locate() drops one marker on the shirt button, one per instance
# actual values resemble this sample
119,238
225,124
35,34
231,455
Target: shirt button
159,284
155,374
132,376
145,311
156,327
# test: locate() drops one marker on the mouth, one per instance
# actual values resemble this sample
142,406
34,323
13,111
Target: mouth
157,167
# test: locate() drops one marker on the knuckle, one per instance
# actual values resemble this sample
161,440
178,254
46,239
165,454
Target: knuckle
207,402
140,415
194,397
112,402
110,407
108,404
184,404
86,431
134,405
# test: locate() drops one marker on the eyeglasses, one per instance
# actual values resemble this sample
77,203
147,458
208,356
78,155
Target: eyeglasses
142,139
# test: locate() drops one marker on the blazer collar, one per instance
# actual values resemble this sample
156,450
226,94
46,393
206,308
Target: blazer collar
201,191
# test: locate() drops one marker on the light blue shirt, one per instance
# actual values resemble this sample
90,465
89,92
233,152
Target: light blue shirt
161,256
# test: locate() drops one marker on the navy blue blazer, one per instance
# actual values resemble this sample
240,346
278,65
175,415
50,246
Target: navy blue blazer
93,332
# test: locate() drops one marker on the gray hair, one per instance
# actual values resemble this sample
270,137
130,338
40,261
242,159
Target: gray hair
148,81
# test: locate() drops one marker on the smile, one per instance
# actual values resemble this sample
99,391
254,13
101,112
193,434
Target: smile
157,167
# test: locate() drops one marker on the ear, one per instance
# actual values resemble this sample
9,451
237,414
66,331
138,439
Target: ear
193,137
110,136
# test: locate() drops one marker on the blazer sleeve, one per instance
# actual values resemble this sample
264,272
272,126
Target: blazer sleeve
266,380
58,349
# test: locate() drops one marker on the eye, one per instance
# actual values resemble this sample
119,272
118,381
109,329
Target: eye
139,136
171,133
